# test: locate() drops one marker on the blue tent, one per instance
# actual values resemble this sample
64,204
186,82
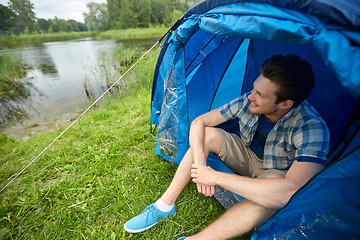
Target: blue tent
213,54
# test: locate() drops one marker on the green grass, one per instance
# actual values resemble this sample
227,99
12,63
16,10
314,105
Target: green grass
123,34
132,33
99,174
15,41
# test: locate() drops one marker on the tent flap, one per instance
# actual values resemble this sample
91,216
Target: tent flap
213,55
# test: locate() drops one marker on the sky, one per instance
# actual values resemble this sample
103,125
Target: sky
63,9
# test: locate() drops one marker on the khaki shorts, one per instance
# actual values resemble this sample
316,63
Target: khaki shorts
242,160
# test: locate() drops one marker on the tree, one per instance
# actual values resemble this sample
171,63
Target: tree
122,13
25,15
6,19
55,26
97,18
113,7
143,13
143,10
73,25
175,15
19,28
44,25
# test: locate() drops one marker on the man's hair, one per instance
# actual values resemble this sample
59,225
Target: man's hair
293,75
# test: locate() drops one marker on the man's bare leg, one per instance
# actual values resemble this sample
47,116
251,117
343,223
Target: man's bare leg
238,220
182,175
164,207
180,180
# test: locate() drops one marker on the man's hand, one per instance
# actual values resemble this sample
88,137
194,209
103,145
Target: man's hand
205,189
203,176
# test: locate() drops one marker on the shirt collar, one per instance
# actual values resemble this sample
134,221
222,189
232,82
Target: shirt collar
291,113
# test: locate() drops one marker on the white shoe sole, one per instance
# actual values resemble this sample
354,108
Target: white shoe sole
142,229
138,230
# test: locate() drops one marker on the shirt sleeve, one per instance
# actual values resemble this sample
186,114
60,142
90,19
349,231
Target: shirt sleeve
312,140
312,159
232,109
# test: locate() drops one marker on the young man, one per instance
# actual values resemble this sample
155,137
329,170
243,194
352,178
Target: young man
283,143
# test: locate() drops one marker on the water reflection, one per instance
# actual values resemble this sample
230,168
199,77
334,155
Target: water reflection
64,75
39,58
13,108
15,87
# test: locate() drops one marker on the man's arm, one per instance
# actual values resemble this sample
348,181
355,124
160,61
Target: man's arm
269,192
197,141
197,133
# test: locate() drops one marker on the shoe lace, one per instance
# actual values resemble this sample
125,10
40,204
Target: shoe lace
150,210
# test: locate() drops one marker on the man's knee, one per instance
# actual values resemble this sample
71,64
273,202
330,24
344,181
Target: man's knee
213,140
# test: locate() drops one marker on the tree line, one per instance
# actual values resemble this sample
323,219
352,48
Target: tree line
19,16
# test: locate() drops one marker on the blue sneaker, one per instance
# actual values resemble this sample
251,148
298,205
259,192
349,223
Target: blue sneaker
182,238
148,218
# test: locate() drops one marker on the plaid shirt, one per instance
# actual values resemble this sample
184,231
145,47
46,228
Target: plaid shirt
300,133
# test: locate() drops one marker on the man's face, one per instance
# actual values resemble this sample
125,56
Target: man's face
263,97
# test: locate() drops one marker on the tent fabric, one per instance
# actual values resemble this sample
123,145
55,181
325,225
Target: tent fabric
213,54
326,208
339,12
294,27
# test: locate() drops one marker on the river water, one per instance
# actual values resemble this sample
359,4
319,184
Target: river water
62,74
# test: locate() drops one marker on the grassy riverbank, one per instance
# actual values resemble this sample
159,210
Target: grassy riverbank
99,174
135,33
16,41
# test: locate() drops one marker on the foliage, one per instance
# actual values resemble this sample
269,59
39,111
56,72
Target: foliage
132,33
97,17
136,33
16,41
6,19
20,19
123,14
25,15
44,25
141,13
11,72
14,87
61,25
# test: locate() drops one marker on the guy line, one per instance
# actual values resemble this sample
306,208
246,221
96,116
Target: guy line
82,114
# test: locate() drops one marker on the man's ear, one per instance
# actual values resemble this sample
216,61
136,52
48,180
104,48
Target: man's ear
287,104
